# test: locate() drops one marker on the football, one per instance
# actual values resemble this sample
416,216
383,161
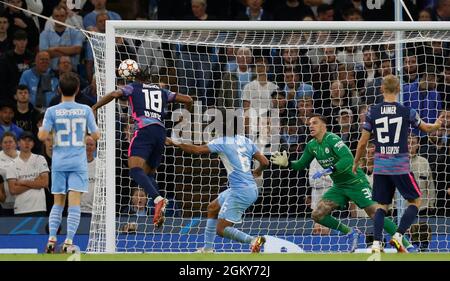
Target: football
128,69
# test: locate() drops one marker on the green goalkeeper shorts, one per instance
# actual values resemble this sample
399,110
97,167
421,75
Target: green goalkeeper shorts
360,194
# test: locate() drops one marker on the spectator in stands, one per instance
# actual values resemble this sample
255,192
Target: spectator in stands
318,188
234,81
351,55
61,40
19,20
35,6
65,65
8,154
6,120
89,20
367,73
425,100
291,10
256,94
25,115
254,11
41,81
2,190
5,41
289,136
346,75
73,18
325,12
442,10
339,99
426,15
345,129
410,73
352,14
88,198
138,203
12,64
422,172
27,179
280,102
89,94
294,59
198,11
444,86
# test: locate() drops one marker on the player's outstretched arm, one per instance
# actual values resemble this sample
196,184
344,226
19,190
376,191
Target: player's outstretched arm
189,148
106,99
263,164
361,150
428,128
187,100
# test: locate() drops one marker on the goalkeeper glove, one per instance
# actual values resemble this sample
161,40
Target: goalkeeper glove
280,158
322,173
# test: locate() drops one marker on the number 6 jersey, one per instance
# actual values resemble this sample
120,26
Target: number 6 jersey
390,123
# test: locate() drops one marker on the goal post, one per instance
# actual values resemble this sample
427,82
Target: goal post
185,231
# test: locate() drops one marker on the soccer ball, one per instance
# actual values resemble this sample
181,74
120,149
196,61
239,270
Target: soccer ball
128,69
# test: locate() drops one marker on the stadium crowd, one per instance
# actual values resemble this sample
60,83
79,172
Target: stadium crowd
340,83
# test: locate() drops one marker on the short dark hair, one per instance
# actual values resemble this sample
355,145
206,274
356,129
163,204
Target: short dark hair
9,134
22,87
320,117
143,75
69,84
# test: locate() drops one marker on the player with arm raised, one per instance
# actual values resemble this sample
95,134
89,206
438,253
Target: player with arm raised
390,122
236,154
68,122
148,104
336,160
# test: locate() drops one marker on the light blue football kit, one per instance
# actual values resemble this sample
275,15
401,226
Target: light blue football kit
69,121
236,154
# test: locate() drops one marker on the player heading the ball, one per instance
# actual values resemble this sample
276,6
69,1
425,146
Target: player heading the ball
148,103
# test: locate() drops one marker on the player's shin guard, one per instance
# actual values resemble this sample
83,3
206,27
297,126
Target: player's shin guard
144,181
380,214
210,233
54,220
236,235
73,220
407,219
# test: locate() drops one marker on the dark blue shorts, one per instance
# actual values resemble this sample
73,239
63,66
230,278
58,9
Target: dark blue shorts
148,143
384,187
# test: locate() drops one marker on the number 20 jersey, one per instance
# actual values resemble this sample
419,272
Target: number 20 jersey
69,122
390,124
148,103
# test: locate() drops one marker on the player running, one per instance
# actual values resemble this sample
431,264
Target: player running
148,105
336,159
390,122
236,154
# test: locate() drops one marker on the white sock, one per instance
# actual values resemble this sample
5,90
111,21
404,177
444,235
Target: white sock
157,199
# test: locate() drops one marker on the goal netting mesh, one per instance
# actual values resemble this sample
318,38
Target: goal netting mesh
285,76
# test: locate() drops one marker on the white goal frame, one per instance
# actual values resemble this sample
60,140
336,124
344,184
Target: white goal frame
113,26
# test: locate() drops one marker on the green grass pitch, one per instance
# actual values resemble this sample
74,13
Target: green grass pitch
228,257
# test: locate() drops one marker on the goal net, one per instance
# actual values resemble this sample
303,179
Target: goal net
278,74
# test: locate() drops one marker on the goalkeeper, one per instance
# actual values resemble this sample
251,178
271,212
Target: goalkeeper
336,160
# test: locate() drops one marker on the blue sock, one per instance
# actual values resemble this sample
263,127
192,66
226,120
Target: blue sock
152,179
73,220
144,181
54,220
210,233
236,235
407,219
378,225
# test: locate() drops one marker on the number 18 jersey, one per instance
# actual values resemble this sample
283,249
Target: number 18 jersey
148,103
390,123
69,121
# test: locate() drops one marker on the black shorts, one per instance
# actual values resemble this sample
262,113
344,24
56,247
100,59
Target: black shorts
148,143
384,187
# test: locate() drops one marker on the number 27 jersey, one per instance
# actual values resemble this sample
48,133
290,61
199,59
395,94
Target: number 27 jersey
148,103
390,123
